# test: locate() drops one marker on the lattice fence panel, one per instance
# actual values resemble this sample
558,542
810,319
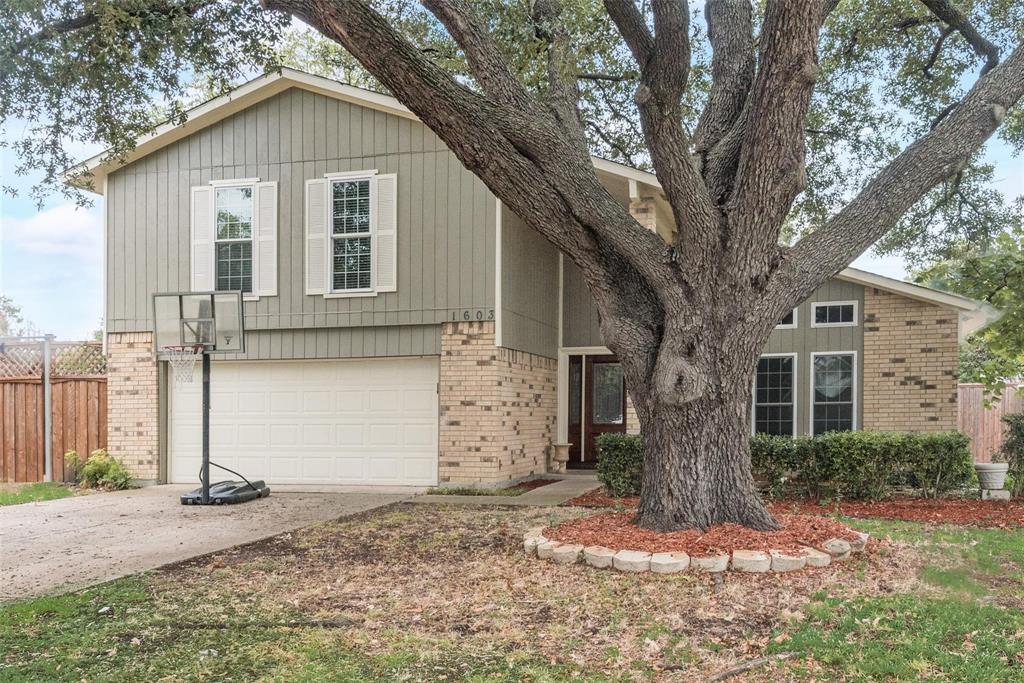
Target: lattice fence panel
20,360
77,360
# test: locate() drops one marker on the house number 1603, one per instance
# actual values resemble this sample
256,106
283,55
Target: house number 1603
475,314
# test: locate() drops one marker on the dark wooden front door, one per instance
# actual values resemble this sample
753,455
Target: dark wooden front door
597,405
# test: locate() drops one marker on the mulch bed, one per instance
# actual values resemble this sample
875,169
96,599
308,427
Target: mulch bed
616,530
960,511
535,483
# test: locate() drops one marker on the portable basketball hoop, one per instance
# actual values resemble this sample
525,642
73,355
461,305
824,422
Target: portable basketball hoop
188,326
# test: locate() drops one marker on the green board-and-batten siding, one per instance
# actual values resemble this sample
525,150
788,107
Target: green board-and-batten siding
446,215
529,292
341,342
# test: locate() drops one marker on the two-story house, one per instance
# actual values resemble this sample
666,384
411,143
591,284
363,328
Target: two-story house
403,327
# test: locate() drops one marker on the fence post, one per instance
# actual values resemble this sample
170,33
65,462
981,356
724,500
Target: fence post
47,412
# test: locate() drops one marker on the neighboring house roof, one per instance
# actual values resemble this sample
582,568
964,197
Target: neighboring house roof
973,314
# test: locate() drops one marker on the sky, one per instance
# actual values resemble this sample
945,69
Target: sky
51,258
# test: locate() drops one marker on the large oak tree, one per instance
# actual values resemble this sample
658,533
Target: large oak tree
688,319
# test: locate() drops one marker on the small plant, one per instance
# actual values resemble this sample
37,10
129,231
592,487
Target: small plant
620,463
72,467
103,471
1013,450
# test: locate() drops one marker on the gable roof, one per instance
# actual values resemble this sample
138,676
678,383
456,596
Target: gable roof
974,315
264,87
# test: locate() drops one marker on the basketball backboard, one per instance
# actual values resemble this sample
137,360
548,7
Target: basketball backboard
212,319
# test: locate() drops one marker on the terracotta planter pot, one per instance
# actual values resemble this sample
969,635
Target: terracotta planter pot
991,475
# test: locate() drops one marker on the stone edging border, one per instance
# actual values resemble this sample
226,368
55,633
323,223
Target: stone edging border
751,561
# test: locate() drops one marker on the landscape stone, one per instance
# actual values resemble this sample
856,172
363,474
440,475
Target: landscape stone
751,561
669,563
568,553
710,563
816,558
837,548
546,549
598,556
858,544
535,532
632,561
995,494
530,545
787,562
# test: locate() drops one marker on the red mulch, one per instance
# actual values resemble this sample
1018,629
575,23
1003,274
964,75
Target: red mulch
535,483
960,511
616,530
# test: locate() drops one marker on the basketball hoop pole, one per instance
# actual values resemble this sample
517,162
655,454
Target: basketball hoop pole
206,427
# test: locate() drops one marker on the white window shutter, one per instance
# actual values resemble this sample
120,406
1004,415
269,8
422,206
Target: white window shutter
265,248
202,239
386,217
317,239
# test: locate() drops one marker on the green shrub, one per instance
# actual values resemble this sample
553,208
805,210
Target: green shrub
938,462
857,465
1013,450
620,463
101,470
775,459
72,467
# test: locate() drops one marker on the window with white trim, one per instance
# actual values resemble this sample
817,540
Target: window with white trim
788,321
233,223
834,314
833,376
351,235
774,396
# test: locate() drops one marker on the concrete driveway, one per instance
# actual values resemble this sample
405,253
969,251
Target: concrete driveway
66,544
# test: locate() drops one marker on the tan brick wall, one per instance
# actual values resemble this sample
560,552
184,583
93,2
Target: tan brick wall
132,403
910,364
498,408
645,212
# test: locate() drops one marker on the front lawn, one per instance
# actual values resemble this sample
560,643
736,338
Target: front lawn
32,493
443,593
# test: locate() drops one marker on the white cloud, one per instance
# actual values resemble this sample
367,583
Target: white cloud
63,230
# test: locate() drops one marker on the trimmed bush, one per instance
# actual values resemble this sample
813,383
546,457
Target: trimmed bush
620,463
101,470
775,460
862,465
1013,450
938,462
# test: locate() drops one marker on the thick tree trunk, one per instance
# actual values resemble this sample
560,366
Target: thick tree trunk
697,459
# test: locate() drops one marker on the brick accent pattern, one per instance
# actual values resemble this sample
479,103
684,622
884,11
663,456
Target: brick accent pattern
910,364
132,403
645,213
498,408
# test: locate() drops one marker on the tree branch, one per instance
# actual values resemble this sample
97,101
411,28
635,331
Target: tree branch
949,13
937,155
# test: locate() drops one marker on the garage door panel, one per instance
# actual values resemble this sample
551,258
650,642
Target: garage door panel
341,422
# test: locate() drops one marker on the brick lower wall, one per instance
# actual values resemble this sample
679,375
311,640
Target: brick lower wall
910,364
498,408
133,429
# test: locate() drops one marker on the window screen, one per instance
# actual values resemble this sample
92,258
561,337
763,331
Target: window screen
833,378
773,396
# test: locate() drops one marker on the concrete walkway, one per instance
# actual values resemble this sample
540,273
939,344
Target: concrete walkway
61,545
569,487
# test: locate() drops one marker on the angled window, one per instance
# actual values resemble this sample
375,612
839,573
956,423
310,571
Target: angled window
233,225
834,314
833,393
351,235
774,395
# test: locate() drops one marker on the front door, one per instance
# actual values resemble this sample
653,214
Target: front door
597,405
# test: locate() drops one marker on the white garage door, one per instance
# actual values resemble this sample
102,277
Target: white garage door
311,422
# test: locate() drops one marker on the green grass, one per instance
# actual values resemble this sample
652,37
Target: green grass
470,491
121,631
31,493
969,627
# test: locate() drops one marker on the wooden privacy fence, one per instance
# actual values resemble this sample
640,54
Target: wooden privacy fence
71,378
984,424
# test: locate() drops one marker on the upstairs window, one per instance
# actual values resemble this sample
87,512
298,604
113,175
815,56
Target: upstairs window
834,314
774,408
233,216
788,321
351,236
